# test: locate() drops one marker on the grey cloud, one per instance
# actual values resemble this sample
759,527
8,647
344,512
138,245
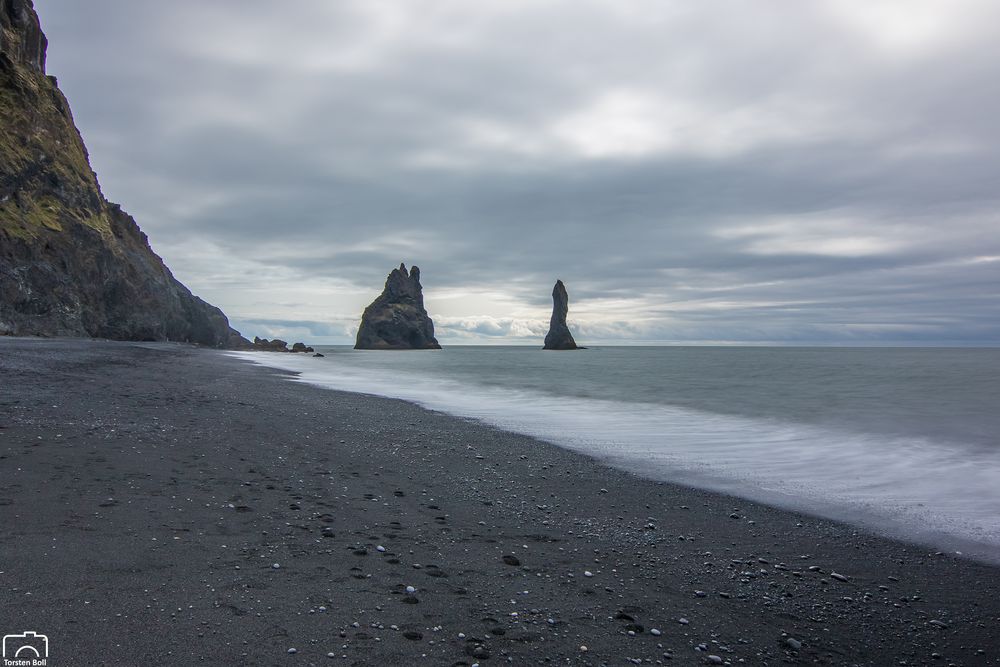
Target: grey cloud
305,329
753,172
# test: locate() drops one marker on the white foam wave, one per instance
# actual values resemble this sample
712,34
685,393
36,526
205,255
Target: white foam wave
942,493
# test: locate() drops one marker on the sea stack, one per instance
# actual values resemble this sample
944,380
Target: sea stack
559,337
396,320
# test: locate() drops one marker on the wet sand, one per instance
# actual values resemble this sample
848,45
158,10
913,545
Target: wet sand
166,505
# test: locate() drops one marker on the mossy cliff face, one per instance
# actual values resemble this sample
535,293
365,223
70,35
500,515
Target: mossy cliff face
71,263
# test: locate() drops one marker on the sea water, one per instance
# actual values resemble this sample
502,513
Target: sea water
902,440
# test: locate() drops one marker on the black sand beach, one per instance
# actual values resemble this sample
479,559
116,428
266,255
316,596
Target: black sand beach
167,505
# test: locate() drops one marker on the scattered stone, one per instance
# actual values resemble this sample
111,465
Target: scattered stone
794,644
838,577
477,651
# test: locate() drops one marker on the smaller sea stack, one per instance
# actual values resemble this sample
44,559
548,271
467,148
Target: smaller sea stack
396,320
559,337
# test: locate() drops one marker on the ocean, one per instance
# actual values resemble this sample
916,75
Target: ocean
902,440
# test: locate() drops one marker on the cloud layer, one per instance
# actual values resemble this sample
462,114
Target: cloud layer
711,171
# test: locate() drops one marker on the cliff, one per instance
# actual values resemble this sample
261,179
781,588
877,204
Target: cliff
559,337
397,320
72,263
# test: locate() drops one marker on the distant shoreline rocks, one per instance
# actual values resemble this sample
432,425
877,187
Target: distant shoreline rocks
277,345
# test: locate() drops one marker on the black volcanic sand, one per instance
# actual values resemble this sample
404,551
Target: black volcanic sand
165,505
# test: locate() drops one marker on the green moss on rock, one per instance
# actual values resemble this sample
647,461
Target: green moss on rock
71,263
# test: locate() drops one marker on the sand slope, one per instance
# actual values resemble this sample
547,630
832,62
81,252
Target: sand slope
150,491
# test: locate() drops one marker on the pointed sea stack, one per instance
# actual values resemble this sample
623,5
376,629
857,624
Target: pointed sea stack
396,320
559,337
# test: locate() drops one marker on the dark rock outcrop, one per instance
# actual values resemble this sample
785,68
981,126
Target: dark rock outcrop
396,320
265,345
276,345
21,36
559,337
71,263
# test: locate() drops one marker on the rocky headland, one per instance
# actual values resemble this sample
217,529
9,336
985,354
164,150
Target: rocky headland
559,336
397,320
72,263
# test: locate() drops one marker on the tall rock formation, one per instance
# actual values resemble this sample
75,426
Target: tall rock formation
71,263
396,320
559,337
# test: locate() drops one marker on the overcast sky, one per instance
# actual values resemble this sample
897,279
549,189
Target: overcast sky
719,170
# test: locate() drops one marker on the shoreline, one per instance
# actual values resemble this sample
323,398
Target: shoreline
899,522
157,495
